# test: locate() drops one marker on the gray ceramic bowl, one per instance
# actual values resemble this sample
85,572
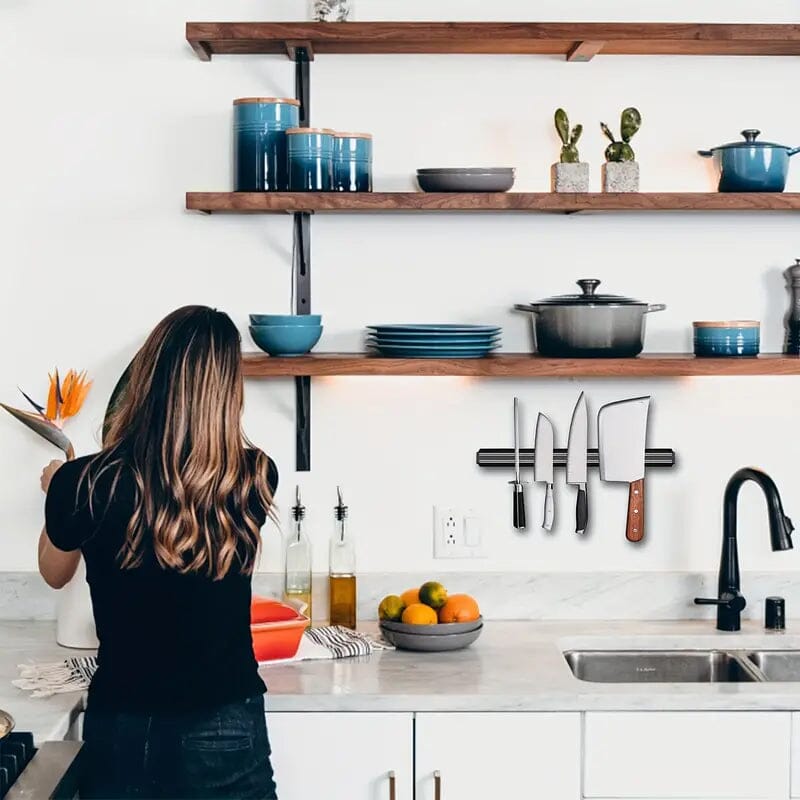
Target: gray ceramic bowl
465,182
430,644
445,629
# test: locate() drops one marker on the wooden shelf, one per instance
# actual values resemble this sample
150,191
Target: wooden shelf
575,41
519,365
531,202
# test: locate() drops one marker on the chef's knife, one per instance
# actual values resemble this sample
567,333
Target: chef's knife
577,467
543,466
621,437
519,494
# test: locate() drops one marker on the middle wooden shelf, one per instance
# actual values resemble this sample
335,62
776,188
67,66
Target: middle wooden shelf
381,202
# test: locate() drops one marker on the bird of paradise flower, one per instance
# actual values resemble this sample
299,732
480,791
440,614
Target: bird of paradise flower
64,400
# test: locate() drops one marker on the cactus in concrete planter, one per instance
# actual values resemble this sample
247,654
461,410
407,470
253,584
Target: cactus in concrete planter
619,151
569,148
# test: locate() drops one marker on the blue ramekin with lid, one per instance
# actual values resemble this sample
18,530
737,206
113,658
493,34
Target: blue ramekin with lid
352,162
728,338
259,142
310,159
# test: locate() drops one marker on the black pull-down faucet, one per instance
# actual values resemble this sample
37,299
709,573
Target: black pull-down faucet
730,601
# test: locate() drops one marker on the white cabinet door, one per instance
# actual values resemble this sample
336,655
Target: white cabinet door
795,755
524,756
688,755
341,756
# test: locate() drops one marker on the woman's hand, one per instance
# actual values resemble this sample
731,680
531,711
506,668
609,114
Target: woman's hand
47,474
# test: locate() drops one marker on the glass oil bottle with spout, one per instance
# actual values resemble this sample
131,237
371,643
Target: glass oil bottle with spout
297,575
342,570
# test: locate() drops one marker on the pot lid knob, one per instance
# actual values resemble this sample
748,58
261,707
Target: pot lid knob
588,286
751,134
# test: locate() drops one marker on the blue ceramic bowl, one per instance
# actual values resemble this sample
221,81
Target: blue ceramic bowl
740,338
304,320
286,340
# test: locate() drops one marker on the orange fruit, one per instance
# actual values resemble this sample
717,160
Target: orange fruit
419,614
410,596
459,608
433,594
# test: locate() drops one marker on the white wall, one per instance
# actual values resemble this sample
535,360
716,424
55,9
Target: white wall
109,118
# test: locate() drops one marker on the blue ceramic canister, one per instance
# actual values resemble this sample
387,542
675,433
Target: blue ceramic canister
738,338
310,159
352,162
259,142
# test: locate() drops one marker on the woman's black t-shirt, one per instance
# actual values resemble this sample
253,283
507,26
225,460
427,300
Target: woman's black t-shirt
168,642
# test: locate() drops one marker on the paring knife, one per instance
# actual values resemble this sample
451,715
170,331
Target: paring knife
577,467
519,492
543,466
621,436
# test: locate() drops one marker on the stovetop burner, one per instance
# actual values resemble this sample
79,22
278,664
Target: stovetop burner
16,750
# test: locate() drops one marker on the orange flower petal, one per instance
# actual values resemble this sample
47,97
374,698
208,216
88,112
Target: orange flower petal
52,398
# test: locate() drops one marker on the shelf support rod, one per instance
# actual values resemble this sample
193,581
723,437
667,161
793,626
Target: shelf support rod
301,270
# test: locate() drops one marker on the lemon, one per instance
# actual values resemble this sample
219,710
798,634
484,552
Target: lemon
433,594
391,608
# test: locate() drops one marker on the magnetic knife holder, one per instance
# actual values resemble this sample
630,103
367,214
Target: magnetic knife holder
495,457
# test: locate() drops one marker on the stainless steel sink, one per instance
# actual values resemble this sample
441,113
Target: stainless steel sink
777,665
661,666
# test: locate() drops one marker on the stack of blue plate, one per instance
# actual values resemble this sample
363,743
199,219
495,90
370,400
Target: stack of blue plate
434,341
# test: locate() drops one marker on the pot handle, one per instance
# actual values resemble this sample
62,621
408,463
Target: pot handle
793,151
705,153
529,309
655,307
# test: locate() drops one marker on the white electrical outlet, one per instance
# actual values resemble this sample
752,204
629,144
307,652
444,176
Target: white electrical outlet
456,533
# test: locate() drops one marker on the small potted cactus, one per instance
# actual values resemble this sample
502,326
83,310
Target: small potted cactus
570,174
621,170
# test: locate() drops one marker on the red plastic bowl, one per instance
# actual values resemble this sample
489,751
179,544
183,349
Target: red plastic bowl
276,629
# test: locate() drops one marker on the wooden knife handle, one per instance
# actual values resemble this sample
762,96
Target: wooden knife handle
634,531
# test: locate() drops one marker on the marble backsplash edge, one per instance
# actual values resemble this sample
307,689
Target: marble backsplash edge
511,596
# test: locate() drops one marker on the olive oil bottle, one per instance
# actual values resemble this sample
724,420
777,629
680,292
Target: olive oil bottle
297,561
342,570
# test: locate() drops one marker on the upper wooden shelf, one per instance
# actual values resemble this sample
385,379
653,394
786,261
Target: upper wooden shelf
519,365
291,202
576,41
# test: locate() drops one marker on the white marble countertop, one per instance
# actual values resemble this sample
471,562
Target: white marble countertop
514,666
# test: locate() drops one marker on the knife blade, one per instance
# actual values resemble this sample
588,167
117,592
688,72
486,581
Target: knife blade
622,437
543,466
518,486
577,467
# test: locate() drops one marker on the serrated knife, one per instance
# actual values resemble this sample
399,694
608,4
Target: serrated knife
621,437
577,468
517,485
543,466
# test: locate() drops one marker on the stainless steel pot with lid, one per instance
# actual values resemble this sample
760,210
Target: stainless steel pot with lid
589,325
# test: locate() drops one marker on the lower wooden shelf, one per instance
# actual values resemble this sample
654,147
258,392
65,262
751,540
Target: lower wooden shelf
519,365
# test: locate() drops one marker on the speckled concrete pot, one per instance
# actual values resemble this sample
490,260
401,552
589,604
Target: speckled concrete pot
569,177
622,176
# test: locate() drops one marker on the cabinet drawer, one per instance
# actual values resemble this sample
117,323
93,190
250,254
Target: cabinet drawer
726,755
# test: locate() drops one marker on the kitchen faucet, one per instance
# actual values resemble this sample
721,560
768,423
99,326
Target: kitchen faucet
730,601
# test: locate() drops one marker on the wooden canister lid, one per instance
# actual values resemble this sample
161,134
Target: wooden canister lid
289,101
308,130
343,135
734,323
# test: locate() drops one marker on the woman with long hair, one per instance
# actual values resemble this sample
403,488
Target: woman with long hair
168,517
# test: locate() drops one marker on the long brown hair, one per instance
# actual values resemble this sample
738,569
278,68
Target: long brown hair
177,426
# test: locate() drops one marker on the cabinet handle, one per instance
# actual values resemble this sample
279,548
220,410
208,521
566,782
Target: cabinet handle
437,785
392,786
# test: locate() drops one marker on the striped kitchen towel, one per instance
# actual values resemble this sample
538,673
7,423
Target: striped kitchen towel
75,674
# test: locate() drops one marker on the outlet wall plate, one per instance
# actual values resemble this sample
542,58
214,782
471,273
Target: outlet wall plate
457,533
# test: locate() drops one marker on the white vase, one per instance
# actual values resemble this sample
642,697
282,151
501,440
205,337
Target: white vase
74,615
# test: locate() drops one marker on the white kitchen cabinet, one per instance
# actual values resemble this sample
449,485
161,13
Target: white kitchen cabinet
342,756
525,756
688,755
795,769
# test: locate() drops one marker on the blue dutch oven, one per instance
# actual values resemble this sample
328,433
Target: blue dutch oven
751,166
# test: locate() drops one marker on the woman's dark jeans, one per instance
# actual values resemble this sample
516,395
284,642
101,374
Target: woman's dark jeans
223,753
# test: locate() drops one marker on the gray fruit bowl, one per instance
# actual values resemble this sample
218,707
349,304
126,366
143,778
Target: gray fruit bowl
442,629
422,643
466,180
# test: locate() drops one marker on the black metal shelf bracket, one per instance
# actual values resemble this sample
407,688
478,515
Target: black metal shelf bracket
503,458
301,269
